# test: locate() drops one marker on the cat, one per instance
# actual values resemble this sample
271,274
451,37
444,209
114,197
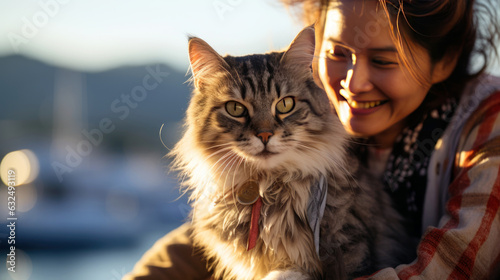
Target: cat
259,135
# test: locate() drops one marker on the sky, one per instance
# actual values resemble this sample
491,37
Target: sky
94,35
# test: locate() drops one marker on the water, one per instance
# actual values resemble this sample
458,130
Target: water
82,264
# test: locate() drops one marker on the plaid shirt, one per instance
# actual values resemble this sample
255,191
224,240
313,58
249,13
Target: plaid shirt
462,218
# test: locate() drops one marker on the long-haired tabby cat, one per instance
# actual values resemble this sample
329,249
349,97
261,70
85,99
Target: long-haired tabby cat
260,135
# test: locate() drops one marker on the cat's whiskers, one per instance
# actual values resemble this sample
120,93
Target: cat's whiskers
227,156
218,152
211,141
309,148
220,162
313,151
233,160
227,150
161,139
357,141
207,179
242,160
184,175
216,146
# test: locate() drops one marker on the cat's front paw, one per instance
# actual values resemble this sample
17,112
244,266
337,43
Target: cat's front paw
286,275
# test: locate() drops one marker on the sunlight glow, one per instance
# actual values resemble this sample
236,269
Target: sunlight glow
135,32
439,143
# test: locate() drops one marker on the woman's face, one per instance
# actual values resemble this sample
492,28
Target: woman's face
359,69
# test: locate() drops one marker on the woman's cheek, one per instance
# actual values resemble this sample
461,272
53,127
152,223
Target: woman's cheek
330,75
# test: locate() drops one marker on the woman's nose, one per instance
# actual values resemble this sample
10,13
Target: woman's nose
358,79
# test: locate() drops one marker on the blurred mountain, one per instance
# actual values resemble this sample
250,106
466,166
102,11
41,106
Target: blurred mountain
27,91
138,100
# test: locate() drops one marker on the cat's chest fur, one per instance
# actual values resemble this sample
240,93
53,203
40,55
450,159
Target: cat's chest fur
285,238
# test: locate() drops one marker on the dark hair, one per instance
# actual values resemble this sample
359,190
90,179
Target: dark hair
469,28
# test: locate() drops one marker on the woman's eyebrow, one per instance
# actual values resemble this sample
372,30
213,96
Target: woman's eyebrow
383,49
374,49
339,43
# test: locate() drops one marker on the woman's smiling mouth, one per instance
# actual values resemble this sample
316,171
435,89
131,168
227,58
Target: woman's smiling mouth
358,108
365,104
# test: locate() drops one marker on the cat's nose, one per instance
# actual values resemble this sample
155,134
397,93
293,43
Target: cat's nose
264,136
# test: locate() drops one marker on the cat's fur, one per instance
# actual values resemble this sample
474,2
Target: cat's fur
218,153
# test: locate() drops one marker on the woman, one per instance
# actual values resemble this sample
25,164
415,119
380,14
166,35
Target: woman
400,75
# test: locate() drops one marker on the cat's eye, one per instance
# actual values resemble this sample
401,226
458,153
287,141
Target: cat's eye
235,109
285,105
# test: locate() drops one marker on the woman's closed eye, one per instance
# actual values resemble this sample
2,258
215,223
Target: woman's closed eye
382,62
338,53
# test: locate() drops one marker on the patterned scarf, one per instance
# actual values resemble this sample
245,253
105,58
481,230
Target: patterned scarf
405,175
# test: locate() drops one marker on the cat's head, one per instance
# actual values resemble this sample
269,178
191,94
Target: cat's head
262,110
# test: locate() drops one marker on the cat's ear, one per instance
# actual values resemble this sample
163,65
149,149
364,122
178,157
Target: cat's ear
301,50
204,60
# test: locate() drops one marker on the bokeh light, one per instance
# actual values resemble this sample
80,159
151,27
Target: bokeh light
24,163
26,198
24,266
